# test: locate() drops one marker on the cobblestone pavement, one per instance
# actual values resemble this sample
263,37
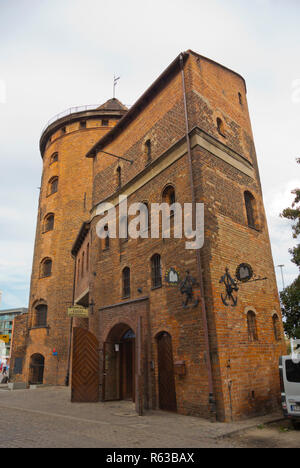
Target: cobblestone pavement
46,418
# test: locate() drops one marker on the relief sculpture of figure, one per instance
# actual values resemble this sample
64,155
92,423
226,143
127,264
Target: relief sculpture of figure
186,287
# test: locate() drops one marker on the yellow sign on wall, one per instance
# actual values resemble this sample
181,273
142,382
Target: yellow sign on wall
78,311
4,338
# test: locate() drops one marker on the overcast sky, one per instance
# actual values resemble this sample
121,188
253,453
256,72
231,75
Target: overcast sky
55,54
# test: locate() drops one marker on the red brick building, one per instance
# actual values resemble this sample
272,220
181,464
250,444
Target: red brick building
187,139
65,202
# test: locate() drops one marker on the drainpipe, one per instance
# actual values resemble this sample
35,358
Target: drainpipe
212,403
67,380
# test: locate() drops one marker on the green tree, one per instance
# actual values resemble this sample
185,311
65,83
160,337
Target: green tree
290,296
290,299
293,214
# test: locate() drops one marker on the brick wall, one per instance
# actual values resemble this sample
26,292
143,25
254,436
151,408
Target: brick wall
70,205
244,373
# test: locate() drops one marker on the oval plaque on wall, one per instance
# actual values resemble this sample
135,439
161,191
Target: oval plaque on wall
244,272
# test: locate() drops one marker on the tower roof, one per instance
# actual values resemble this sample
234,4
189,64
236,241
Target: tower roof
112,105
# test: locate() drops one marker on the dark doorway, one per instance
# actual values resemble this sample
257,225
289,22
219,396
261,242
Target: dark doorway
166,380
127,355
36,369
119,365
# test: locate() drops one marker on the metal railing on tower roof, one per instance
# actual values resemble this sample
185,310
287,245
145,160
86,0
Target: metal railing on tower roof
70,111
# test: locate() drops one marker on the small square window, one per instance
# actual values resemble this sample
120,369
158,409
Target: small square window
104,122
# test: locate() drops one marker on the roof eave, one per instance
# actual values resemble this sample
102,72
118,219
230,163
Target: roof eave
138,104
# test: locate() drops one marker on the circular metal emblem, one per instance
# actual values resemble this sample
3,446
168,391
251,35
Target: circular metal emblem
244,272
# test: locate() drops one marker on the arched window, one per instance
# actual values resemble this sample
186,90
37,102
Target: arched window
276,327
41,312
148,151
53,185
126,282
250,209
156,272
54,158
220,126
168,195
49,222
46,268
252,328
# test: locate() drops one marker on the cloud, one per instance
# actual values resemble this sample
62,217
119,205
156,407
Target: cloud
56,54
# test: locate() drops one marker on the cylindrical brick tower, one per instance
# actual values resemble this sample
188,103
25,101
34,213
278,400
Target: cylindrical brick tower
65,202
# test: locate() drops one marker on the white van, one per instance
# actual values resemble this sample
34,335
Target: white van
289,370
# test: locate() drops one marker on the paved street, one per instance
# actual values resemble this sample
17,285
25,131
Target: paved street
46,418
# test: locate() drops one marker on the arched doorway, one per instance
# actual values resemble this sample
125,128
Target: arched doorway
36,369
119,364
166,380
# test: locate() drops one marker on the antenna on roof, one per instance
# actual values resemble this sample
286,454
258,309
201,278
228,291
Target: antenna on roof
116,79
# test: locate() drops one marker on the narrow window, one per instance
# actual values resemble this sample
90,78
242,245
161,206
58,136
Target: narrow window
87,257
46,268
220,126
104,122
169,195
49,223
250,209
148,150
106,240
119,177
53,185
126,282
276,327
252,328
240,99
54,158
82,265
82,124
64,130
147,220
78,270
41,316
156,271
